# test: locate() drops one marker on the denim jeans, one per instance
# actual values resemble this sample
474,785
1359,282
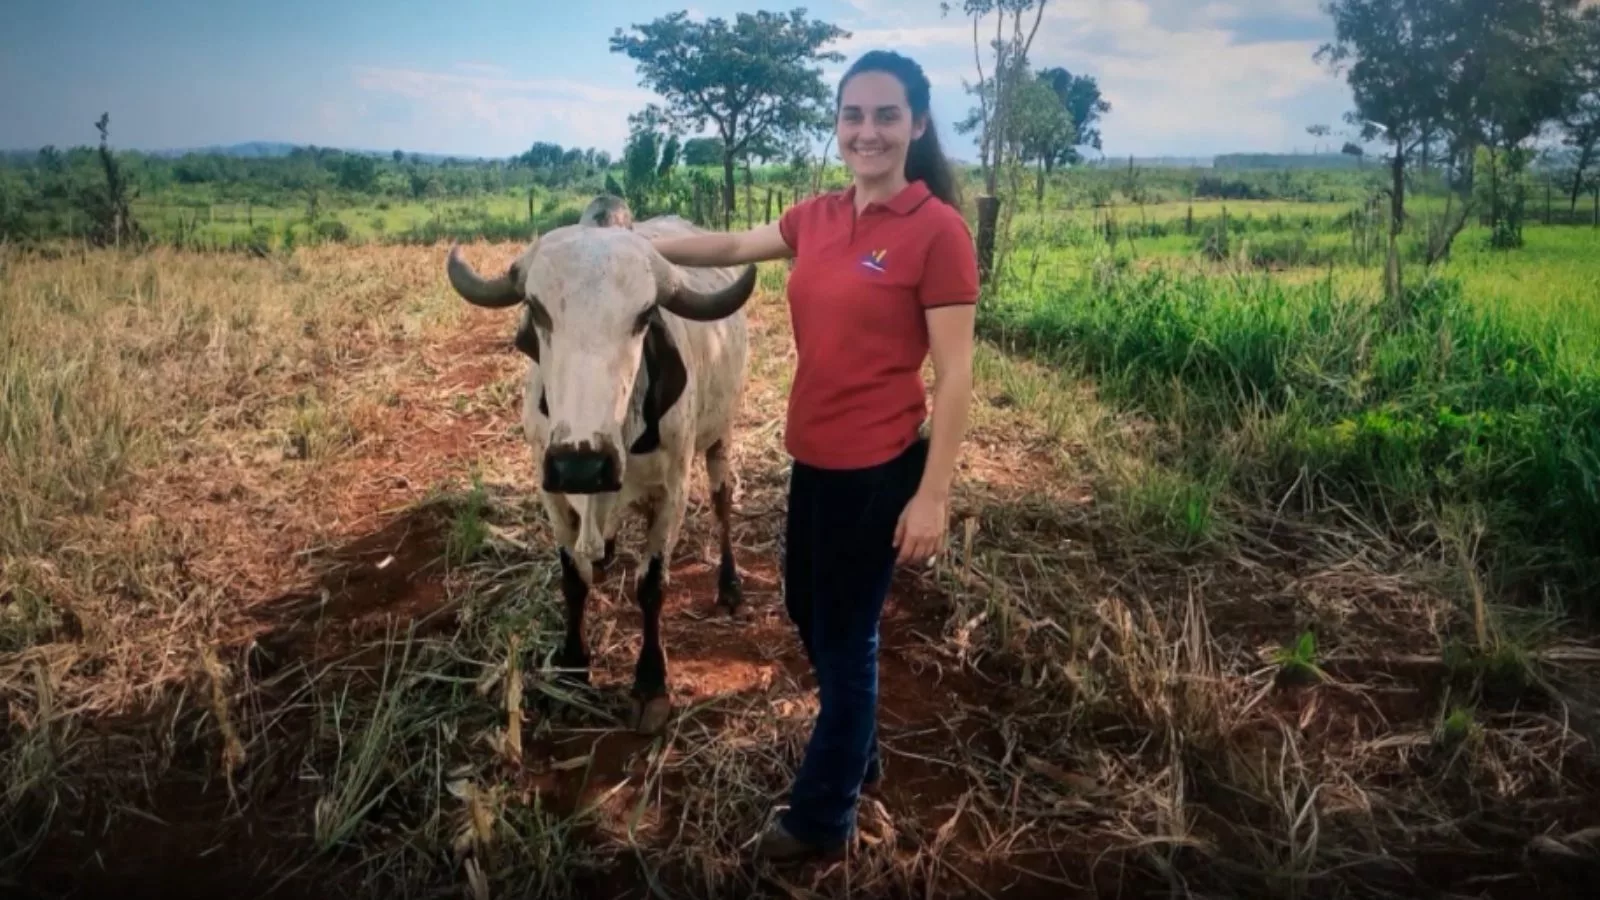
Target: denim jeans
838,561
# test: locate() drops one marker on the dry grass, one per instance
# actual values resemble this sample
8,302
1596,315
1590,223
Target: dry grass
276,534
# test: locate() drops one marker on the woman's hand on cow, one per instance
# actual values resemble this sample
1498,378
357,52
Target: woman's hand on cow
920,534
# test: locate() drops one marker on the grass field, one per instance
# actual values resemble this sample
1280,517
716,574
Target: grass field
1252,592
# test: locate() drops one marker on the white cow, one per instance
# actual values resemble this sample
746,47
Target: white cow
636,366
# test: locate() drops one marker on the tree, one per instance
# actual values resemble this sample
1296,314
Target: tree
1081,96
111,208
356,172
702,151
756,79
1041,128
542,155
1318,131
1391,50
1580,119
995,94
1510,79
1472,72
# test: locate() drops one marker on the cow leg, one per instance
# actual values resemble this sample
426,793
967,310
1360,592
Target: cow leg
575,578
652,705
574,655
730,593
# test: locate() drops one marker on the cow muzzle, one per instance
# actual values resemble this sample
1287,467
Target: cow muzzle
582,469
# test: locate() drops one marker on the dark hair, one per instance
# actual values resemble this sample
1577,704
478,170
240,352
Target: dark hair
925,159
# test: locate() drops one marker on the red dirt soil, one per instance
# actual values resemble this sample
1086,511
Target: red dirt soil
189,841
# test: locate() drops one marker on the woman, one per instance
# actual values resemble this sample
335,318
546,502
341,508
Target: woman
885,273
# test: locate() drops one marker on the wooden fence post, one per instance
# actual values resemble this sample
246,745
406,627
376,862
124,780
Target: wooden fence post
769,206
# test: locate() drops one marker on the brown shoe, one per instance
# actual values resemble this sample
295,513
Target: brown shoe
779,846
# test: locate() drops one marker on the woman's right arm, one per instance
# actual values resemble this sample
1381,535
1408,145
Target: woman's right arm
725,249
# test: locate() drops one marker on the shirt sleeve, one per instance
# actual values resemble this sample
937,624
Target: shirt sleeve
789,223
950,273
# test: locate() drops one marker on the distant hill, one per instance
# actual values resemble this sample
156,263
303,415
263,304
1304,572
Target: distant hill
1233,161
260,150
1152,162
1236,161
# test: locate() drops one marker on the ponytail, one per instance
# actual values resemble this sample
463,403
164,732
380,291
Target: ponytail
925,159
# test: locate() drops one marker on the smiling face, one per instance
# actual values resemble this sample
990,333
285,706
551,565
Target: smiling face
876,126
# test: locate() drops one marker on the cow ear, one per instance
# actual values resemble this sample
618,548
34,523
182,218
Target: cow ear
526,340
664,381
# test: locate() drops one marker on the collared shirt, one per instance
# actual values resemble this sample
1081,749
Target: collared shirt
857,295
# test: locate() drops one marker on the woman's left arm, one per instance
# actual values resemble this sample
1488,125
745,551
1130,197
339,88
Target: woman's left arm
923,525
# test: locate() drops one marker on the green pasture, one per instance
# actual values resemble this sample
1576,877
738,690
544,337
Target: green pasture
1474,415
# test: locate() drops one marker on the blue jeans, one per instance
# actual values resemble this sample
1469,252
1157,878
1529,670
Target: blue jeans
838,561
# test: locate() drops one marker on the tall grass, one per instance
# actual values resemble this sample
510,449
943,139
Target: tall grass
1303,387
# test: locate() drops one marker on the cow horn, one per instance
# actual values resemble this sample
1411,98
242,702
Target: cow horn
679,299
491,293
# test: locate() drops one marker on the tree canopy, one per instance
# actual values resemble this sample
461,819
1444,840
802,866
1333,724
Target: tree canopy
1478,73
1080,94
758,79
1580,117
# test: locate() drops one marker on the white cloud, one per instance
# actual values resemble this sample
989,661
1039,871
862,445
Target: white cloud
1176,71
507,114
478,68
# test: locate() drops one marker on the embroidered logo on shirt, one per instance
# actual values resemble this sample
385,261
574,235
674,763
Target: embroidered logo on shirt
874,260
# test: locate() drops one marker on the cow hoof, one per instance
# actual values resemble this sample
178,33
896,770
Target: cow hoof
650,716
730,596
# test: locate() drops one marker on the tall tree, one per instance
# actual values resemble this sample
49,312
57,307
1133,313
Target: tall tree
1041,128
1580,120
1509,79
995,93
1474,73
1081,96
1390,52
756,80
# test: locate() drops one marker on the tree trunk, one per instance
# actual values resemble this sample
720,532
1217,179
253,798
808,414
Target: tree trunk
769,206
749,198
988,217
1577,176
1397,212
1039,187
727,189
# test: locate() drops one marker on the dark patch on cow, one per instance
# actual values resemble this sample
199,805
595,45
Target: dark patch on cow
650,672
730,591
526,340
664,381
574,653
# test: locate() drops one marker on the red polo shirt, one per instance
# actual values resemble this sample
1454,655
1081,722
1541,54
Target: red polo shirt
857,294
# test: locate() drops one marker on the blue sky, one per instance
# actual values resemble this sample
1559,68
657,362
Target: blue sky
490,77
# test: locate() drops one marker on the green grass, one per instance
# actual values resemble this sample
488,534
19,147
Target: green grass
1476,403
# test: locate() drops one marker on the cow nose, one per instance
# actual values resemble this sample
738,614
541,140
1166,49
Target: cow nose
581,470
